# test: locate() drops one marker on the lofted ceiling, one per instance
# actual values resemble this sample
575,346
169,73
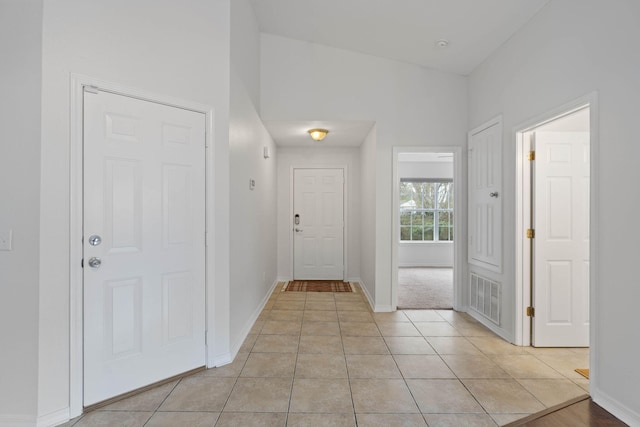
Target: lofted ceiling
402,30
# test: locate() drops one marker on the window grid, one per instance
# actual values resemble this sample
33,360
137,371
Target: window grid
426,210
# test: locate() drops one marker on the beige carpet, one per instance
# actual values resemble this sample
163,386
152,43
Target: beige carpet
425,288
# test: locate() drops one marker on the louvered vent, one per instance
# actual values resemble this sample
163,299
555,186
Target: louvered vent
485,297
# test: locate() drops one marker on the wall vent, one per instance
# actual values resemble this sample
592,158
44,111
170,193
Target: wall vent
485,297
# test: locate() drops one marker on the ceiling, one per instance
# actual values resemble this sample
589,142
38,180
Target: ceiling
341,133
402,30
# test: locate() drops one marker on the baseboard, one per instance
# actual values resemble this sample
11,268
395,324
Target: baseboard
15,420
490,325
235,347
414,265
366,293
54,418
616,408
221,360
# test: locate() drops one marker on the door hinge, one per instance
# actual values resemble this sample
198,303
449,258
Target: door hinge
531,233
531,155
531,312
82,263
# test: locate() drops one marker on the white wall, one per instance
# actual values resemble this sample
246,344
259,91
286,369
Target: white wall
20,86
412,106
425,254
368,215
289,157
164,47
253,212
571,48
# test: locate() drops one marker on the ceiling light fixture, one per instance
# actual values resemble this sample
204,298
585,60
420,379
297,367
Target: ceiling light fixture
442,43
318,134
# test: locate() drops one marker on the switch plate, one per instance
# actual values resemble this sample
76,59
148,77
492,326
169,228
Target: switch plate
5,240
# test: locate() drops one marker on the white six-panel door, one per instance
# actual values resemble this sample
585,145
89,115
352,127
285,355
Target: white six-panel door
318,199
144,196
561,243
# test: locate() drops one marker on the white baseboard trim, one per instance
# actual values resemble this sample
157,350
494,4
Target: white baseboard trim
55,418
16,420
384,309
366,293
430,265
221,360
616,408
494,328
235,347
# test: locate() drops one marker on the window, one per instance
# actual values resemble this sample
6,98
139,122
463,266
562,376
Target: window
426,209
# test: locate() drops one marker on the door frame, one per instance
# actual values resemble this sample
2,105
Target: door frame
78,82
459,221
523,217
345,215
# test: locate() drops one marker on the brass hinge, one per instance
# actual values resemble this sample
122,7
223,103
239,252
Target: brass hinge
531,233
531,312
531,155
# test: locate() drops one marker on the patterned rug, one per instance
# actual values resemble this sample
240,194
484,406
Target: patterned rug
318,286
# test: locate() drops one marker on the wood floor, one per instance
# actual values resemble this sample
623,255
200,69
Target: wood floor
581,412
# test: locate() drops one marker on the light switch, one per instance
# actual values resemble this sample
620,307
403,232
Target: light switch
252,184
5,240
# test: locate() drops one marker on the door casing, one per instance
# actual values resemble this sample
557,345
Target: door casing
522,334
77,87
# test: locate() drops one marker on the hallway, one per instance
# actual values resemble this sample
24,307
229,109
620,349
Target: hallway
316,359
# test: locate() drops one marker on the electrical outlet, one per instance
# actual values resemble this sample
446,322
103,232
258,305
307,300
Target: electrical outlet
5,240
252,184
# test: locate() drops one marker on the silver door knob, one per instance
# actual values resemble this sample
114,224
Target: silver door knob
494,194
95,262
298,230
95,240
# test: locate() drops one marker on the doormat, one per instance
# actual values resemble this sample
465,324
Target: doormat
318,286
583,372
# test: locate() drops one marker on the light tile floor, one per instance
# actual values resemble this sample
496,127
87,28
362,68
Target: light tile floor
323,359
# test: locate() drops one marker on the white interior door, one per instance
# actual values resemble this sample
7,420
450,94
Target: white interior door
561,243
485,197
318,229
144,196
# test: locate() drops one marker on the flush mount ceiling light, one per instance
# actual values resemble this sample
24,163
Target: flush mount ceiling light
442,43
318,134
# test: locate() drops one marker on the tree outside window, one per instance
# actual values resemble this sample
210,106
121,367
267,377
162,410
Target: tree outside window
426,209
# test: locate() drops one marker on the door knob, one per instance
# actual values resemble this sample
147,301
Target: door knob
494,194
298,230
95,240
95,262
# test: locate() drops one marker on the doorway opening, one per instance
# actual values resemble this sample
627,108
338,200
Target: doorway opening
555,202
424,272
